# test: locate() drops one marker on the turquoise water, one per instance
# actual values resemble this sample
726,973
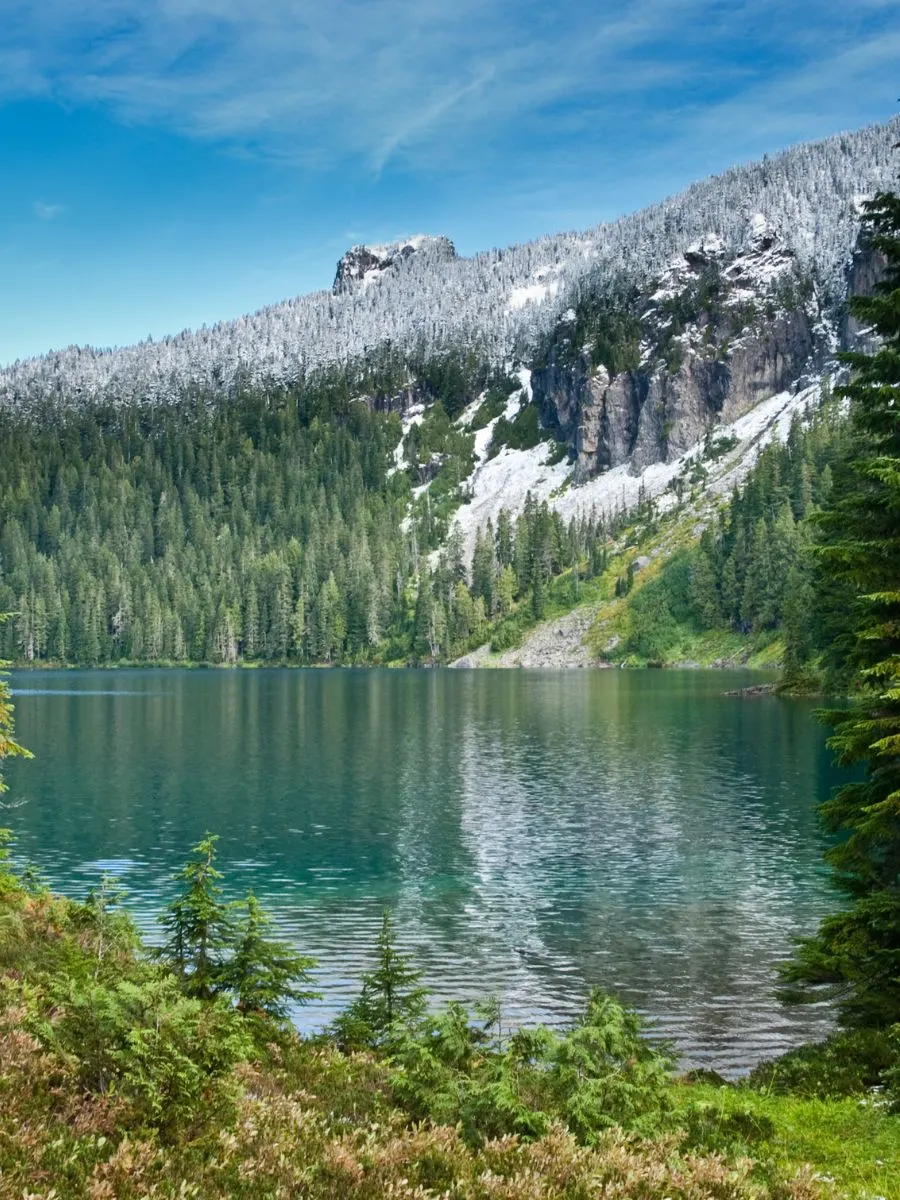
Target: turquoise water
535,833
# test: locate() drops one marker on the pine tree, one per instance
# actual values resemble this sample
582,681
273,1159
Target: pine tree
391,998
506,589
262,974
856,952
9,747
198,924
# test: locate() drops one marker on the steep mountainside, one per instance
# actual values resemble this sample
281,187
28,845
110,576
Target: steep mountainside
477,435
499,303
713,339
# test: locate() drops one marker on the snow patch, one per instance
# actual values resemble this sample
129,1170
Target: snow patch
504,481
413,416
524,377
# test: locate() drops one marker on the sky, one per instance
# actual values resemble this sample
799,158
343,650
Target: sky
172,163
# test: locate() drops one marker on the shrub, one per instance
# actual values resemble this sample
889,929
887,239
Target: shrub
166,1053
846,1064
601,1073
507,635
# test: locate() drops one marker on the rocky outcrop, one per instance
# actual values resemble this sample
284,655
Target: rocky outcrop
867,268
749,334
400,400
361,265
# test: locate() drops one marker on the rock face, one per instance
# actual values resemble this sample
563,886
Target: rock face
867,267
653,414
409,396
716,339
362,265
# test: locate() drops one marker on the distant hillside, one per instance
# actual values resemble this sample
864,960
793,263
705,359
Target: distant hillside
499,303
440,452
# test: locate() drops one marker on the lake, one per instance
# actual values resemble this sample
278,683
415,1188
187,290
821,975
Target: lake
535,833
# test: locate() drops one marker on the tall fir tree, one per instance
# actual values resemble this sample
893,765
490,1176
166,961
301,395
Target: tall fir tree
265,975
199,925
855,955
392,997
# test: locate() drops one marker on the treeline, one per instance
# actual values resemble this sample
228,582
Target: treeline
754,571
278,528
268,528
512,568
274,528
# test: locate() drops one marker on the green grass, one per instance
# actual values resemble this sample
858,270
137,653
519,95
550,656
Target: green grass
851,1144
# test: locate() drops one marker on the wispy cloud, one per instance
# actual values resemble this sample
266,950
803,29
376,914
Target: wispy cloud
428,83
47,212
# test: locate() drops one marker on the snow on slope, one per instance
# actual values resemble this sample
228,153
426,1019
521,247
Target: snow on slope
504,481
560,642
426,303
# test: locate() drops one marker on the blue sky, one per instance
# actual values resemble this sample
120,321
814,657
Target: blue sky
174,162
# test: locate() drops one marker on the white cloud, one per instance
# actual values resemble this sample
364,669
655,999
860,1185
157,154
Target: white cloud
47,212
426,81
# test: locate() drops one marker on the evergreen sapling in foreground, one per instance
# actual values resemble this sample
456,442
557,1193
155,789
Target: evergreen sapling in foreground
199,925
212,954
392,998
262,974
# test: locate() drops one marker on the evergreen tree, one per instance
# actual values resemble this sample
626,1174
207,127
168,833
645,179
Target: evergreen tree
9,747
391,999
504,539
198,924
856,952
262,974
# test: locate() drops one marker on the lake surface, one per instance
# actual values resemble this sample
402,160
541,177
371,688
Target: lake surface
535,833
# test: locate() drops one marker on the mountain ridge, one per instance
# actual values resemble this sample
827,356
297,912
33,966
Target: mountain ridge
500,302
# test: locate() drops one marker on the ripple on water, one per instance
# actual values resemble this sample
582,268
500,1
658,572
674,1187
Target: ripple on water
534,834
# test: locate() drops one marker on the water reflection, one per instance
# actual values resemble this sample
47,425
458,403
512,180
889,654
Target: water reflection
536,833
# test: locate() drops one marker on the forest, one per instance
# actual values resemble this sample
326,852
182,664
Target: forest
278,529
271,529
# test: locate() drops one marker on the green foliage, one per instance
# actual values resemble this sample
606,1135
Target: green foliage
202,532
855,956
753,571
113,1082
199,925
508,634
494,403
605,327
9,747
652,628
715,448
523,432
849,1063
661,610
145,1040
891,1075
600,1074
711,1126
9,883
211,953
454,379
263,974
104,916
392,999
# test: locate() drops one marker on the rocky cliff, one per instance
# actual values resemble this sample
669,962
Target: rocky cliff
362,265
710,340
